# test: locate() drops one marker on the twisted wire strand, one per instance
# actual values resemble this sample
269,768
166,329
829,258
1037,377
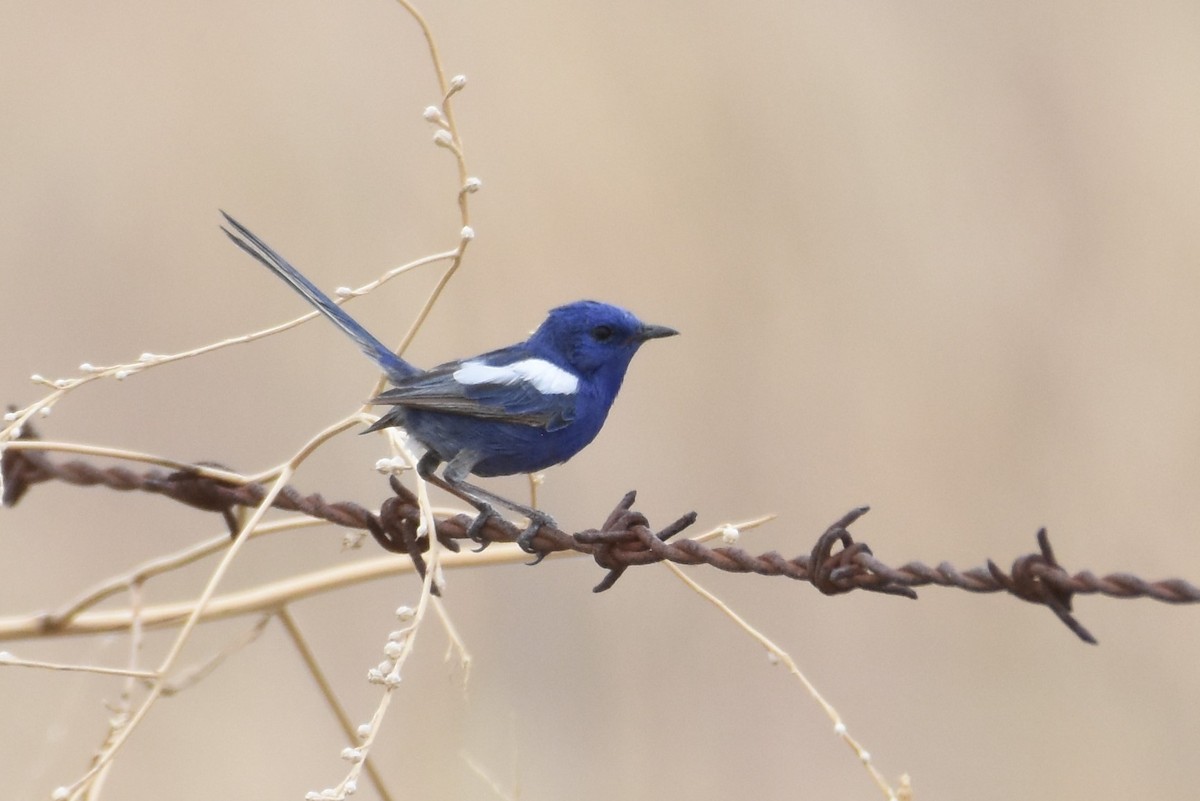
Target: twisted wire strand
835,565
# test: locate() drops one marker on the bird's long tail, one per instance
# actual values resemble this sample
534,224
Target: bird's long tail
395,367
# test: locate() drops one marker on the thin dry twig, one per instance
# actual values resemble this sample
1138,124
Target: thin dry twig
8,659
327,692
194,674
16,419
780,655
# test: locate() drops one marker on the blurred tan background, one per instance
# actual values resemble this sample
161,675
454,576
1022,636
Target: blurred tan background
941,258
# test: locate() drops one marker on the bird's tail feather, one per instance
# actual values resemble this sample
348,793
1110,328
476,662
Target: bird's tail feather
395,367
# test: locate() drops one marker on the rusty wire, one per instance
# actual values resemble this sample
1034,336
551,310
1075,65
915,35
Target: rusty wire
624,540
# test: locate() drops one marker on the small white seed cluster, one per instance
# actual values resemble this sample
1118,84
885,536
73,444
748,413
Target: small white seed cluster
387,672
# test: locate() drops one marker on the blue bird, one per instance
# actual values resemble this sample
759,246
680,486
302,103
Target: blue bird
518,409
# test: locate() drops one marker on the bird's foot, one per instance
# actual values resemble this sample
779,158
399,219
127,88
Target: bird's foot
525,541
475,530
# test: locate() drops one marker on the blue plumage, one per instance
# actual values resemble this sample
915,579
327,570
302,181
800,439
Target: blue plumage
519,409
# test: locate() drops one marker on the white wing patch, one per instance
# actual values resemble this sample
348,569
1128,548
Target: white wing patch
544,376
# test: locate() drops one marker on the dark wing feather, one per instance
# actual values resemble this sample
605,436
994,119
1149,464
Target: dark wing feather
520,403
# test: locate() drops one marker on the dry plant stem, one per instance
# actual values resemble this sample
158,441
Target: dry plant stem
455,146
455,644
64,386
158,685
535,480
429,304
392,680
198,673
335,706
262,598
839,727
494,785
137,637
128,721
166,564
120,716
746,525
448,91
7,659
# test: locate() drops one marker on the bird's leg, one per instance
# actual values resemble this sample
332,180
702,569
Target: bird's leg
454,477
426,469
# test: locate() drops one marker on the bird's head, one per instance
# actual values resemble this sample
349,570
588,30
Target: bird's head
594,338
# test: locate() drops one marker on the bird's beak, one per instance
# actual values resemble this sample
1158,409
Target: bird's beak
655,332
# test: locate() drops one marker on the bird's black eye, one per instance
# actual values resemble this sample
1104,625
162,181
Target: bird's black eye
602,333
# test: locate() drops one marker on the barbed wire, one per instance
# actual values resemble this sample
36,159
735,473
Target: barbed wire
625,539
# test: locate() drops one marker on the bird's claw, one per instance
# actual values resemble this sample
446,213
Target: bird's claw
475,530
525,541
